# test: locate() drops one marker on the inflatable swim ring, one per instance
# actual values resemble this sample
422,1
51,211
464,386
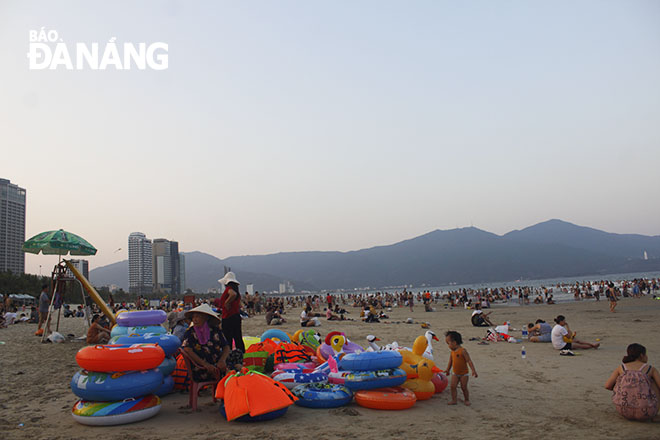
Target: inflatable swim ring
322,395
367,380
296,336
106,387
120,357
167,366
377,360
141,318
274,333
386,398
166,387
118,330
295,366
115,413
169,343
293,378
261,418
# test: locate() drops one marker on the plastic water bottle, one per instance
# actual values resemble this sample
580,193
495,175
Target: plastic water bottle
525,335
523,353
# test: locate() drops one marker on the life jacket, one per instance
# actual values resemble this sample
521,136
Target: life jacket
634,396
180,374
259,357
292,352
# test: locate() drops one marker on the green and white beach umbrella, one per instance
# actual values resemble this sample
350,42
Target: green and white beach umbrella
58,242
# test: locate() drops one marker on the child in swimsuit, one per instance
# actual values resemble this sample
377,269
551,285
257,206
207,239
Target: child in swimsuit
459,361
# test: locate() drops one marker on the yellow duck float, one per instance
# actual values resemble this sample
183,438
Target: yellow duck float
421,385
414,357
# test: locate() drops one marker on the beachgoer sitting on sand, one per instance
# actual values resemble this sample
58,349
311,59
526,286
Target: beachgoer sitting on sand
273,316
540,332
332,317
97,334
306,320
564,339
369,315
635,385
479,318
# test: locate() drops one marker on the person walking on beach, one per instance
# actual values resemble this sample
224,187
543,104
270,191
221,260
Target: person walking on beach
611,296
459,361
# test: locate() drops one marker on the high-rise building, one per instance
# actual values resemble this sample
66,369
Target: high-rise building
167,266
12,227
140,264
182,273
82,266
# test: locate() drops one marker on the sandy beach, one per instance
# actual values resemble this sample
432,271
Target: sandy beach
544,395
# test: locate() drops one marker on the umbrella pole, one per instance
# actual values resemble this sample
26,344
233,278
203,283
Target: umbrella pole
50,308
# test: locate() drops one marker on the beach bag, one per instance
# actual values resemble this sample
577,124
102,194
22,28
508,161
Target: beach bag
634,397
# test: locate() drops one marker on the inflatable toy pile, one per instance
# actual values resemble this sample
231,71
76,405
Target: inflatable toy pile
120,383
145,327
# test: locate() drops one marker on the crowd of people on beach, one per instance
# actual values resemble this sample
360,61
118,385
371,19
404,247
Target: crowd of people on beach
209,328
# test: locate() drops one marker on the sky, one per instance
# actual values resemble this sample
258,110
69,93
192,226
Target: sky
294,125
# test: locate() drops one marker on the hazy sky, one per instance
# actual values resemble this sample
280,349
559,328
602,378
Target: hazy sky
336,125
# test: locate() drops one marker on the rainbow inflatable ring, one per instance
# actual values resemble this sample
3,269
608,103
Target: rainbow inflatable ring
115,413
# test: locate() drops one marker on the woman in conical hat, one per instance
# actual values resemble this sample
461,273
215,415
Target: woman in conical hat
205,344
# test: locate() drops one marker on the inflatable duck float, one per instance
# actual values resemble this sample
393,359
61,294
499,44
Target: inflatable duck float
421,383
336,343
417,354
371,341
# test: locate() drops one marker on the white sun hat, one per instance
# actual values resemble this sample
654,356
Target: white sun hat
228,278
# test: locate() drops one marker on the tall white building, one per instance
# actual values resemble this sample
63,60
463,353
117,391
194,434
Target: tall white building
140,264
12,227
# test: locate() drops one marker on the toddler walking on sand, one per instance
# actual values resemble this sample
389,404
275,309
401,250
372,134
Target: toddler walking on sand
459,360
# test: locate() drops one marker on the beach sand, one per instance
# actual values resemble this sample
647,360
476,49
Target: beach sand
542,396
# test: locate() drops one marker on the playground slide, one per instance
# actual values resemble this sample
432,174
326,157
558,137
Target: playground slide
91,291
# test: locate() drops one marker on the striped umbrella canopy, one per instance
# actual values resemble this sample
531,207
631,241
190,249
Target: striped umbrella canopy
58,242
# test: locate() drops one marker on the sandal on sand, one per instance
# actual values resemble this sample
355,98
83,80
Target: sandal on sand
566,353
483,343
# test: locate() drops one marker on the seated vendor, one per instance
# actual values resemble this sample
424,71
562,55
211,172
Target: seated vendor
205,344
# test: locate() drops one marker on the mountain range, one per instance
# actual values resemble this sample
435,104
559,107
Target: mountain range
550,249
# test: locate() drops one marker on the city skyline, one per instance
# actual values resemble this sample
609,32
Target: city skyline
291,127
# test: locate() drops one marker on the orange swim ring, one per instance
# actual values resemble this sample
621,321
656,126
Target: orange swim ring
395,398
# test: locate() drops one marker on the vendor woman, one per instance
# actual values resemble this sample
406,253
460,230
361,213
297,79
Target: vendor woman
205,344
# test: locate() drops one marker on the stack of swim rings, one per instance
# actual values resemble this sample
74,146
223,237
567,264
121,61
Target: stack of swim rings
374,377
116,383
138,326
